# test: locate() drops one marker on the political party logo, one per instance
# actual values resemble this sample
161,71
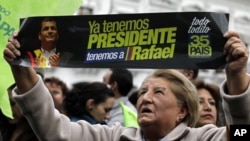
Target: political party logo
199,44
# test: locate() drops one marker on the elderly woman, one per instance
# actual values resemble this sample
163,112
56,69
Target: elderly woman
167,106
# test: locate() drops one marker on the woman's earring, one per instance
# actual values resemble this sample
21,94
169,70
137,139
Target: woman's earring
180,119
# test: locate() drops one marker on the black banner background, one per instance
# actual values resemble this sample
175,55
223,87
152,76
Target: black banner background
74,32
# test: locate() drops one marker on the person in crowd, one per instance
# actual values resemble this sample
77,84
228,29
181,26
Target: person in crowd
84,10
18,128
133,97
90,101
131,94
210,109
164,93
58,90
47,55
121,82
191,74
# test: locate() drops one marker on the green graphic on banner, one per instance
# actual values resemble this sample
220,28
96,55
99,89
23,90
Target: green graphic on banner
10,13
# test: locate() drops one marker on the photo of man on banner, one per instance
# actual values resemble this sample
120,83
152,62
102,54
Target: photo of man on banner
47,55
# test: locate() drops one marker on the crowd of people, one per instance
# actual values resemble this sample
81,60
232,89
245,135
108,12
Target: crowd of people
171,104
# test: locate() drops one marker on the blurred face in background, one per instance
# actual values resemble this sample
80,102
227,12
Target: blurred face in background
106,77
101,112
56,93
207,108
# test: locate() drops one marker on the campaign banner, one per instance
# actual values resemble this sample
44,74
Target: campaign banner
148,40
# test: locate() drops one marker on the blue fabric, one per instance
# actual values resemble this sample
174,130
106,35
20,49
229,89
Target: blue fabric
87,118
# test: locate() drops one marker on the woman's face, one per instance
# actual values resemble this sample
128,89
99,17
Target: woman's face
207,108
157,105
56,93
101,111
